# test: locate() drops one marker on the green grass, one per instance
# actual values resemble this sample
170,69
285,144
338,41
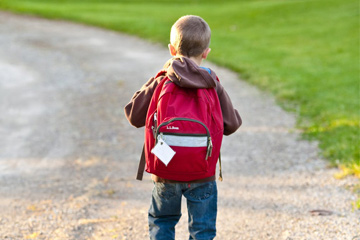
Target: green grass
305,52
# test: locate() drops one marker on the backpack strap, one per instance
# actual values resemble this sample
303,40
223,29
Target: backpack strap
141,167
142,162
220,172
161,73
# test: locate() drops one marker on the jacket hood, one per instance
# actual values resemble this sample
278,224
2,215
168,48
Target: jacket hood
185,73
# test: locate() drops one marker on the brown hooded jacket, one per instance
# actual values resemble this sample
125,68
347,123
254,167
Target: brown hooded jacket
184,73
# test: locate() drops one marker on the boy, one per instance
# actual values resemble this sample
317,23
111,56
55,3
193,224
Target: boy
189,45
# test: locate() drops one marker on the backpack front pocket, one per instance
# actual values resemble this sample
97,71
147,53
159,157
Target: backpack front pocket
191,141
186,161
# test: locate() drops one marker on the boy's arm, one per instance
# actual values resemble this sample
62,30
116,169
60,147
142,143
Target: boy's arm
136,109
231,117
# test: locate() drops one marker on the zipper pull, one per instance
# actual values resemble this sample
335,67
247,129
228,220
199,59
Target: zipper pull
209,149
153,131
154,128
155,121
160,137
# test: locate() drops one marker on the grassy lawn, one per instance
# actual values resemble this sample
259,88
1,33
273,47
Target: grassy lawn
305,52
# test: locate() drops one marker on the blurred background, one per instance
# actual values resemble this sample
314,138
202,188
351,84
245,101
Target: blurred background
68,156
304,52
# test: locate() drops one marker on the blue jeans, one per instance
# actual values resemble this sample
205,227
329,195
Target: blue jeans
165,210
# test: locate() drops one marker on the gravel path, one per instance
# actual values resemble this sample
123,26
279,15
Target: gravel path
68,157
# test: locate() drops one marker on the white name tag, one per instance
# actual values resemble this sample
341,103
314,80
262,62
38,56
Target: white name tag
163,151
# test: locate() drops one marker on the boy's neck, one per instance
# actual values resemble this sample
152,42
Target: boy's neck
197,60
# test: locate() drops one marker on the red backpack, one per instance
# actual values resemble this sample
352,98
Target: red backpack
190,122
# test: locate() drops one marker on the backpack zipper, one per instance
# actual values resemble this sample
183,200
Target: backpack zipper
209,142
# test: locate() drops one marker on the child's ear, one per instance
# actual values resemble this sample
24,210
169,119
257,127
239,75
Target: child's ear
206,53
172,50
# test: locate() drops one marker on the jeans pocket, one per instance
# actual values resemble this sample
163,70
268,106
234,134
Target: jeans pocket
165,190
201,191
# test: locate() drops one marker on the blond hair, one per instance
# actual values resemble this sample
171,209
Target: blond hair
190,35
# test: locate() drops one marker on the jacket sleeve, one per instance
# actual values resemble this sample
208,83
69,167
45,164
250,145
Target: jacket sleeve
136,109
231,117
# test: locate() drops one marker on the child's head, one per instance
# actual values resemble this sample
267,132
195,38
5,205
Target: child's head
190,37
